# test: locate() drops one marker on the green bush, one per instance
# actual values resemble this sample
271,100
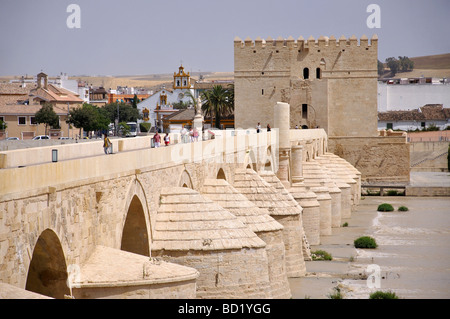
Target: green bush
337,294
321,255
145,127
393,192
345,224
365,242
383,295
385,208
403,209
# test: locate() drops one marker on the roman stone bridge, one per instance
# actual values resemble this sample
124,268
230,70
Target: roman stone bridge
231,217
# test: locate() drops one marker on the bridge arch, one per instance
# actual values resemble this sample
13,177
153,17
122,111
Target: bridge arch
221,174
136,225
47,273
250,160
185,180
268,160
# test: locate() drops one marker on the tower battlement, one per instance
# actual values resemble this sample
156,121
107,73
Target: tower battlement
311,42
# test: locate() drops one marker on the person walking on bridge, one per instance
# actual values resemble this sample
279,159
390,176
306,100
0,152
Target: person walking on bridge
107,145
157,139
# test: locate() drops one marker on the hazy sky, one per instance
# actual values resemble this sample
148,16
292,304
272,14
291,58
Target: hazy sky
118,37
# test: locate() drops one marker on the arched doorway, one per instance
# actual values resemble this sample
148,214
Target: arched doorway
185,180
135,234
47,274
221,174
250,160
268,160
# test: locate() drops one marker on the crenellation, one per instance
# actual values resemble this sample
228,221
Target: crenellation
342,41
332,41
259,43
248,42
323,42
280,42
364,41
290,42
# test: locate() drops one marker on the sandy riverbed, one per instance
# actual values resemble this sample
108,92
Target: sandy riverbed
413,253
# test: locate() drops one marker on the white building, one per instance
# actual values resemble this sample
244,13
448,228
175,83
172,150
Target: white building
411,94
161,102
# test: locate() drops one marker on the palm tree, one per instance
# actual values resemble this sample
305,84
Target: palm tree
218,102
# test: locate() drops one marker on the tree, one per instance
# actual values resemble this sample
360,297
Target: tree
193,99
217,103
89,118
3,125
46,115
393,64
181,105
380,67
127,113
135,101
405,63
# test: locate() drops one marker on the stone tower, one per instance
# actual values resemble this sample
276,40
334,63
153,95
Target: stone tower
328,83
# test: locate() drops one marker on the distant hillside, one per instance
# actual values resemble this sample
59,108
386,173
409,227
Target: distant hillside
437,66
149,81
433,62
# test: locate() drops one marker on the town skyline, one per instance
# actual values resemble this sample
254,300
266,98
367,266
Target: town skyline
147,37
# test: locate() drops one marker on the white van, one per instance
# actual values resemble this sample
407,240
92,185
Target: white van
41,137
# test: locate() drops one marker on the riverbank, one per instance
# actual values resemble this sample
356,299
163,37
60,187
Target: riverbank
412,257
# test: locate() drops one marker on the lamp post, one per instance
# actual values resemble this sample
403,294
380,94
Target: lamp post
117,126
54,156
68,124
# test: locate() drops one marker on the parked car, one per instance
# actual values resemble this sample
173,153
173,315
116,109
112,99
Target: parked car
64,138
41,137
12,139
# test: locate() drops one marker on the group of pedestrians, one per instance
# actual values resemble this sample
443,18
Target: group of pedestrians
186,135
189,136
157,140
193,134
258,127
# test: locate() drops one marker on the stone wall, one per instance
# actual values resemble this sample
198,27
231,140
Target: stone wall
429,156
379,159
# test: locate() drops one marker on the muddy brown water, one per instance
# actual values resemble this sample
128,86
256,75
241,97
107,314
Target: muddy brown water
412,258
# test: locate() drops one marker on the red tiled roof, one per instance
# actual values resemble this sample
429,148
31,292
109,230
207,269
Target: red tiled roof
55,94
426,112
20,109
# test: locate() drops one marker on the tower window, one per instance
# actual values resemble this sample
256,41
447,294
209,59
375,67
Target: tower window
262,92
318,73
304,111
306,73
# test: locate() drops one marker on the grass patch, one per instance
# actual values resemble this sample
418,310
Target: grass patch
385,208
336,294
383,295
345,224
365,242
321,255
403,209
